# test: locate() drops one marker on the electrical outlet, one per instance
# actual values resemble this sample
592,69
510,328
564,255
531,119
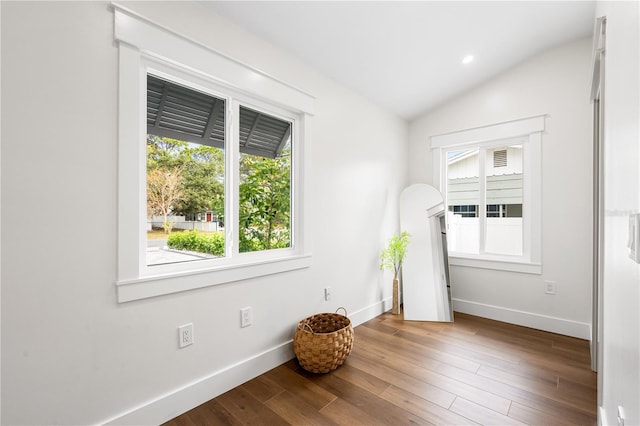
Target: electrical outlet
245,317
550,287
185,335
327,293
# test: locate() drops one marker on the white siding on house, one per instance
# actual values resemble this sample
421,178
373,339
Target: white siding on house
468,165
504,189
465,167
514,161
463,191
504,184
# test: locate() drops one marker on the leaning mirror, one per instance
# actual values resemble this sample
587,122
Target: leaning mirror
426,289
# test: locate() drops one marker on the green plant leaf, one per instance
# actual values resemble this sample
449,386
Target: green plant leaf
392,257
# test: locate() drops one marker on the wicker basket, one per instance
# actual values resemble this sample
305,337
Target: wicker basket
323,341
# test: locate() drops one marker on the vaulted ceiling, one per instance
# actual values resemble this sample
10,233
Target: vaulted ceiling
407,56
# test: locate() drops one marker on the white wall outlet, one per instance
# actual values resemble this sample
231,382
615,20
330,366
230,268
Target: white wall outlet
327,293
245,317
185,335
550,287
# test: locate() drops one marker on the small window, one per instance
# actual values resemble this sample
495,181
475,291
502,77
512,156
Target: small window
490,177
496,210
471,178
464,211
504,210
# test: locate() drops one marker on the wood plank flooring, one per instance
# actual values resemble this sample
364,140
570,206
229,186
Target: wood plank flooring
474,371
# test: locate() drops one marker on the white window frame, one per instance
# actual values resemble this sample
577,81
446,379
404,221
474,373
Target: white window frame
529,130
148,47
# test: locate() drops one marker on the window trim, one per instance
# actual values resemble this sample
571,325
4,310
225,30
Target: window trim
531,129
141,42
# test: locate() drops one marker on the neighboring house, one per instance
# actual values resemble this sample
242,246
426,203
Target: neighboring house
503,182
503,175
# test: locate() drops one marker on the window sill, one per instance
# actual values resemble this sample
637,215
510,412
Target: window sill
151,286
499,263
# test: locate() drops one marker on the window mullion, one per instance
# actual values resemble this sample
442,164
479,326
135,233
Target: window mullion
482,208
233,178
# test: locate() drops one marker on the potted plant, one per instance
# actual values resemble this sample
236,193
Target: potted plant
391,260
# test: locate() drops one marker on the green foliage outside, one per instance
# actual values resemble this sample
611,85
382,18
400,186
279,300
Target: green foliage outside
196,241
393,256
202,169
264,192
265,202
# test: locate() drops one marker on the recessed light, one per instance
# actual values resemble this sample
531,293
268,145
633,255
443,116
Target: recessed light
467,59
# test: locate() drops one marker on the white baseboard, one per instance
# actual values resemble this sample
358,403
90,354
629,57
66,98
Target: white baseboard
371,311
183,399
527,319
172,404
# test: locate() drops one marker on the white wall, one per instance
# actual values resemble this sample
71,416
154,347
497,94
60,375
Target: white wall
620,369
70,353
556,83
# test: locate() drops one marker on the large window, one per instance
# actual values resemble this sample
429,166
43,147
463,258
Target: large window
211,166
186,143
490,178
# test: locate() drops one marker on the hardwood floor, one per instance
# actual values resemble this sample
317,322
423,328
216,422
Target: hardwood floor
474,371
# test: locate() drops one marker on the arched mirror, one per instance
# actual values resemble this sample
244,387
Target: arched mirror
426,289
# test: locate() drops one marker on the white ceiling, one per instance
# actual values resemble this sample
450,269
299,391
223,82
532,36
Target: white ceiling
406,56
